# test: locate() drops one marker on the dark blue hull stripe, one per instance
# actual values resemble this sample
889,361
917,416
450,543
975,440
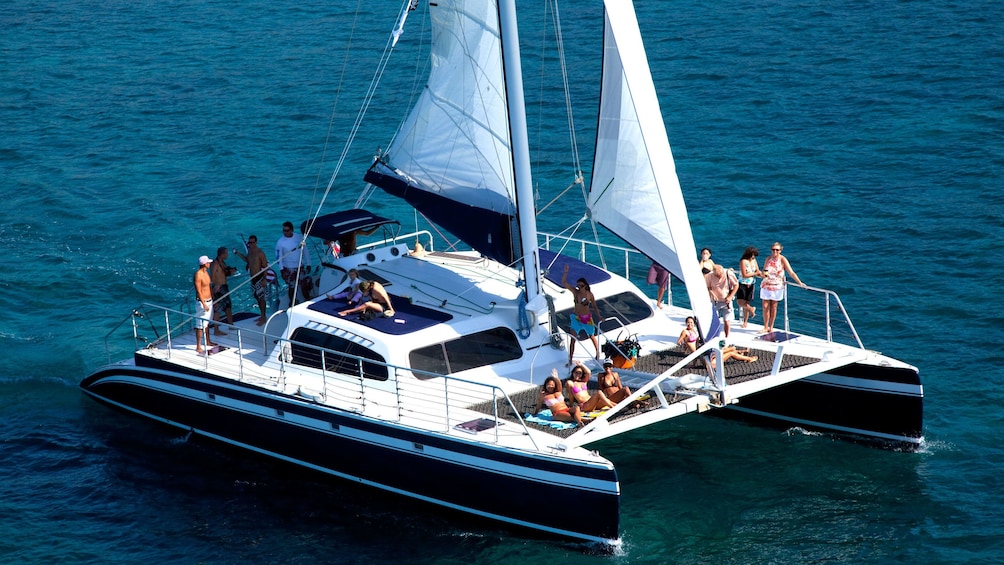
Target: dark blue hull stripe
455,474
168,374
883,402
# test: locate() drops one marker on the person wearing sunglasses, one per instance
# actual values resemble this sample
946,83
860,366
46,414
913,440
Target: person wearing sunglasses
772,286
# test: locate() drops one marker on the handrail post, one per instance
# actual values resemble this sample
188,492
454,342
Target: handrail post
829,329
785,300
446,400
167,326
240,356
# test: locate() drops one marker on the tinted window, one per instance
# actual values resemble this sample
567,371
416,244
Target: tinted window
626,307
334,360
468,352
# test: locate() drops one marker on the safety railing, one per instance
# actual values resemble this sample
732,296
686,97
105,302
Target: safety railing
334,378
819,312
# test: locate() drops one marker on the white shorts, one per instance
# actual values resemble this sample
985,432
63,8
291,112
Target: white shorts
203,317
775,295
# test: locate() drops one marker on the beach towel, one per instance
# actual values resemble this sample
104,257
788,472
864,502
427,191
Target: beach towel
545,418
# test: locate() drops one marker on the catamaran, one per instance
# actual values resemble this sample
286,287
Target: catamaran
437,399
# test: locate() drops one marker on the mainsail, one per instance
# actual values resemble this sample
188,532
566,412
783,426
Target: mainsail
635,192
451,159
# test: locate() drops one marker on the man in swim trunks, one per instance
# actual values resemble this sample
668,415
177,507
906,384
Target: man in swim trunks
583,324
218,273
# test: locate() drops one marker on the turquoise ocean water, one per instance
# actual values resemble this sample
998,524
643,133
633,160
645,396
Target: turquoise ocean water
868,137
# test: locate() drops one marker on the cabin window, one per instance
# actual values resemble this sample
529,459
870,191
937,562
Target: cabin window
468,352
626,307
306,345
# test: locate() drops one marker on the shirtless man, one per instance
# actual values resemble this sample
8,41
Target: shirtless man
218,273
204,306
376,299
258,267
583,322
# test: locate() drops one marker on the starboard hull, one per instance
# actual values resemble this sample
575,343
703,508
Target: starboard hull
878,403
488,481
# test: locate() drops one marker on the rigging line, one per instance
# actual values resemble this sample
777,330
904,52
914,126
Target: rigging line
338,95
556,198
472,305
568,239
364,106
450,246
568,94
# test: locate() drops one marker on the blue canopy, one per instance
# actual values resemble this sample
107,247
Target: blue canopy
334,226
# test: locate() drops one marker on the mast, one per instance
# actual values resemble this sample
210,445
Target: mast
522,177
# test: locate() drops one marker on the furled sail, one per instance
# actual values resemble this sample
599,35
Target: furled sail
451,159
635,192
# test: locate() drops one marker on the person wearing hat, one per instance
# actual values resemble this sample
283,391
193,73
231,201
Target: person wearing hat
610,383
204,306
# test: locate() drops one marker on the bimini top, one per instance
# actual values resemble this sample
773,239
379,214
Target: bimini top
339,224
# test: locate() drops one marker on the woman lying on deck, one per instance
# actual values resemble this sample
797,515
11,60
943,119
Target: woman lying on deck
730,352
553,398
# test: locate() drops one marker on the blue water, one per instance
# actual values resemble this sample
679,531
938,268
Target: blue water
868,137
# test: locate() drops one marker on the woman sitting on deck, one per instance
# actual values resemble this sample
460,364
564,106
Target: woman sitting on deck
376,300
578,390
610,383
553,398
688,337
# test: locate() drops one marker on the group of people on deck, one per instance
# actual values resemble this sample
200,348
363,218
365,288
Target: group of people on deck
570,401
724,285
213,302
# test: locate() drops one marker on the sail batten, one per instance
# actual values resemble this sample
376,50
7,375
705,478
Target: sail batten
635,192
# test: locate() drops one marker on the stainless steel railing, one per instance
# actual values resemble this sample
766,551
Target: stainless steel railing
818,312
419,398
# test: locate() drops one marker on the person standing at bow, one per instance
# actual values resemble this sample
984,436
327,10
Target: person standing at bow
772,287
748,271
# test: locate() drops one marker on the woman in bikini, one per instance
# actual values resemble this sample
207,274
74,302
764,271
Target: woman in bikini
610,383
583,323
578,390
552,397
688,337
706,263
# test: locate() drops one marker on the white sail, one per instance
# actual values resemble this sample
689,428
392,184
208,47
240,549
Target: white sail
454,146
635,192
